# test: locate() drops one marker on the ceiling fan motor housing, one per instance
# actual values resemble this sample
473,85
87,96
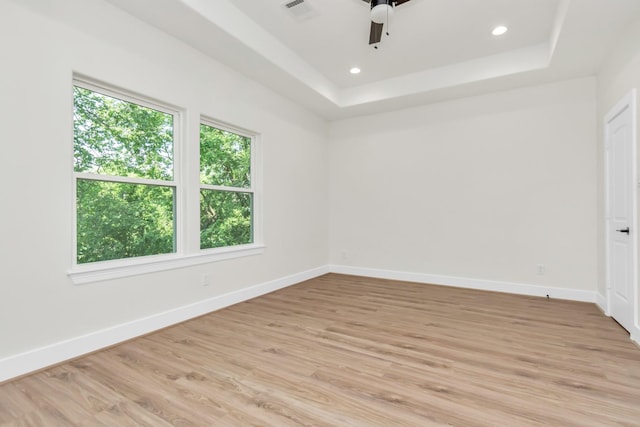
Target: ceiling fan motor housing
381,10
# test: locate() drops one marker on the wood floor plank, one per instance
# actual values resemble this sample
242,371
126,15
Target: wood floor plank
350,351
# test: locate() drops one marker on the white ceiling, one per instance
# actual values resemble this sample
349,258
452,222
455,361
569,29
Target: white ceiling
336,38
436,50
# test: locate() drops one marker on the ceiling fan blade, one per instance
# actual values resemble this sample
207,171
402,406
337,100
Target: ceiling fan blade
376,33
399,2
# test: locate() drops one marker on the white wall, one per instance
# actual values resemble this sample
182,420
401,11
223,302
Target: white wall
42,43
619,74
484,188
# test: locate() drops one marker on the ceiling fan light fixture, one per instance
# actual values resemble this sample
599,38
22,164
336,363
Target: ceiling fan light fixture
355,70
381,11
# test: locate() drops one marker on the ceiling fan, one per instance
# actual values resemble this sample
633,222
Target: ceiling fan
381,11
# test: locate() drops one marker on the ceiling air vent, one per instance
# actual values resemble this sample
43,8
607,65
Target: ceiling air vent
299,9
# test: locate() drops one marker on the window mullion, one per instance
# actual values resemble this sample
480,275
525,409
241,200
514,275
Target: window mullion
191,178
179,202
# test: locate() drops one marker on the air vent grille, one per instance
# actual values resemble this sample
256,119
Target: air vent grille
299,9
293,3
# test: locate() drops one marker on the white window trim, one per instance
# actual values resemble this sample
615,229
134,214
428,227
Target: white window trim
175,182
183,256
255,181
115,269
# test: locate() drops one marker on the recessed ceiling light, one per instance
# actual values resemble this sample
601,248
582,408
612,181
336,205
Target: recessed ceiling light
355,70
499,30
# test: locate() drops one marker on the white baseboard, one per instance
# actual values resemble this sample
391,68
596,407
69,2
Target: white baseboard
601,302
634,333
486,285
30,361
463,282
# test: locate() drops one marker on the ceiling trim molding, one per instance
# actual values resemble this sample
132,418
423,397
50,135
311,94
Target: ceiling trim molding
231,20
558,25
572,44
228,18
489,67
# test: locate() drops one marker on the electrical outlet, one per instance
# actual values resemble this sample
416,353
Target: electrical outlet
540,269
205,280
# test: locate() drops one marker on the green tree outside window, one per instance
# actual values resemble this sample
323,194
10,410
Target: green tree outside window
226,197
123,154
125,184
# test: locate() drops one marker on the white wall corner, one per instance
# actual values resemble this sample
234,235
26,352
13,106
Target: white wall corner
464,282
601,302
39,358
558,24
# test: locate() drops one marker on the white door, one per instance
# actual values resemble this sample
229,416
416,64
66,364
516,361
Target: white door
621,229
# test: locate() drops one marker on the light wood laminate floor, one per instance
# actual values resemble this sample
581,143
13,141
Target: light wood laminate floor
348,351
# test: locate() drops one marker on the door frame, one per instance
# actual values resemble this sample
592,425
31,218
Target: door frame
627,102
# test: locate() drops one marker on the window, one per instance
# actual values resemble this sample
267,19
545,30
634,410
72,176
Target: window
142,204
124,176
226,187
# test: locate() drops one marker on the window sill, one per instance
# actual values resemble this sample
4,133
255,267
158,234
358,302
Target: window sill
107,270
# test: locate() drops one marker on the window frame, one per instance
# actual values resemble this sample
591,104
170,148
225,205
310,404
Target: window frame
174,183
185,180
252,181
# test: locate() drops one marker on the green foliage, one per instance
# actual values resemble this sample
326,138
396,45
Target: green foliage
225,216
116,220
117,138
225,158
